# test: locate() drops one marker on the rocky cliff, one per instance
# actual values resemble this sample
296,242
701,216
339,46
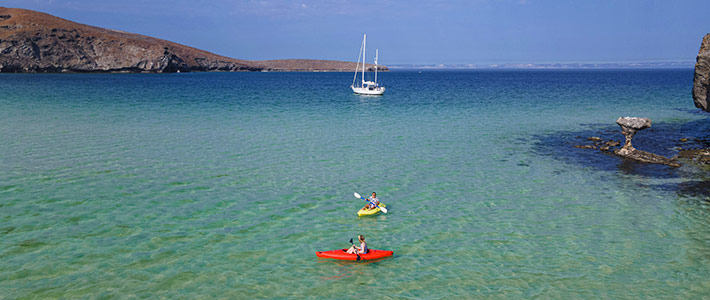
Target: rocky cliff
701,81
31,41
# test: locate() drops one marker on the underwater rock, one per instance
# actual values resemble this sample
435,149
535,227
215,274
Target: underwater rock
698,155
599,143
646,157
613,143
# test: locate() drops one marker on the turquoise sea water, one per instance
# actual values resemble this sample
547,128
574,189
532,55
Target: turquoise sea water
225,184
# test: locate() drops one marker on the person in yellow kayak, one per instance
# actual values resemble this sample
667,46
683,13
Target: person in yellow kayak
359,250
372,199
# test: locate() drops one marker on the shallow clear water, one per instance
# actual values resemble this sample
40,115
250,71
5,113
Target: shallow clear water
225,184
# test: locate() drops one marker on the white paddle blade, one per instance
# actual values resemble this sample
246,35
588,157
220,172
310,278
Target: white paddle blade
384,210
357,195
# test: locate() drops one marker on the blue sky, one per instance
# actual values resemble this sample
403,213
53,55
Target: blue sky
410,32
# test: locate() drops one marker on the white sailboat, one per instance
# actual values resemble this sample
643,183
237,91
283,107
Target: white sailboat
366,87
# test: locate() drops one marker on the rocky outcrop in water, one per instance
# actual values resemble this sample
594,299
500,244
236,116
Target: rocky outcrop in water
31,41
701,156
701,81
599,143
629,127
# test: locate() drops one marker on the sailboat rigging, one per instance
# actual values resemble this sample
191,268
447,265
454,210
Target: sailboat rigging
366,87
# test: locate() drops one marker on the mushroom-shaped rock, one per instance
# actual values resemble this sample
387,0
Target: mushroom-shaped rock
634,123
629,126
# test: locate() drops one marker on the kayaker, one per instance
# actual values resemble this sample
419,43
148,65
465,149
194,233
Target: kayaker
372,199
359,250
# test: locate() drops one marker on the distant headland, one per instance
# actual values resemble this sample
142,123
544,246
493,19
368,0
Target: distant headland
35,42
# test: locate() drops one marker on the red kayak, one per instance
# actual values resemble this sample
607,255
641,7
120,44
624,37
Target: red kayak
344,255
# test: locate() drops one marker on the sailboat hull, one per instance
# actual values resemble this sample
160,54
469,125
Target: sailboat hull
368,91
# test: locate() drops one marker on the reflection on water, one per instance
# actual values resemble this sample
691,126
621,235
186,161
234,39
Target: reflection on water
344,269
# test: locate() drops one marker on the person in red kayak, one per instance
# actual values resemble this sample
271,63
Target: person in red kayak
359,250
372,199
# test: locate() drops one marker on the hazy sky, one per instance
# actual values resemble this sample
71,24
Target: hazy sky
410,32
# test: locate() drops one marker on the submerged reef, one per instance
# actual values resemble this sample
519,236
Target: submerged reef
629,127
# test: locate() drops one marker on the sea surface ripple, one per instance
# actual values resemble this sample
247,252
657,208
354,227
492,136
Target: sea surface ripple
223,185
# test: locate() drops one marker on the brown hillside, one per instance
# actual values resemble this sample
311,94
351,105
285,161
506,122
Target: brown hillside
32,41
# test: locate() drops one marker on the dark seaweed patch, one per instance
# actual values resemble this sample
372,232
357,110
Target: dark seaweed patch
664,138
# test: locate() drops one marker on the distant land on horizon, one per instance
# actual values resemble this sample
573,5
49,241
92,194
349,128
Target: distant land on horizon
36,42
546,66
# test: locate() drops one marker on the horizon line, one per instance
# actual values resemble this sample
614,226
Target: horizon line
574,65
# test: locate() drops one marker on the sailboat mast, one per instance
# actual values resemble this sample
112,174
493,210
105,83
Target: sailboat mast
364,46
377,53
357,66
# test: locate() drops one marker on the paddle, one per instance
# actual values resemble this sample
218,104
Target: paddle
384,210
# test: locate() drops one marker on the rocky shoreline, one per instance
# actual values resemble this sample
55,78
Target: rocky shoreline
34,42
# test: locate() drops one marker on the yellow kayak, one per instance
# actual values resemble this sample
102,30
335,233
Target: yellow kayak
369,212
